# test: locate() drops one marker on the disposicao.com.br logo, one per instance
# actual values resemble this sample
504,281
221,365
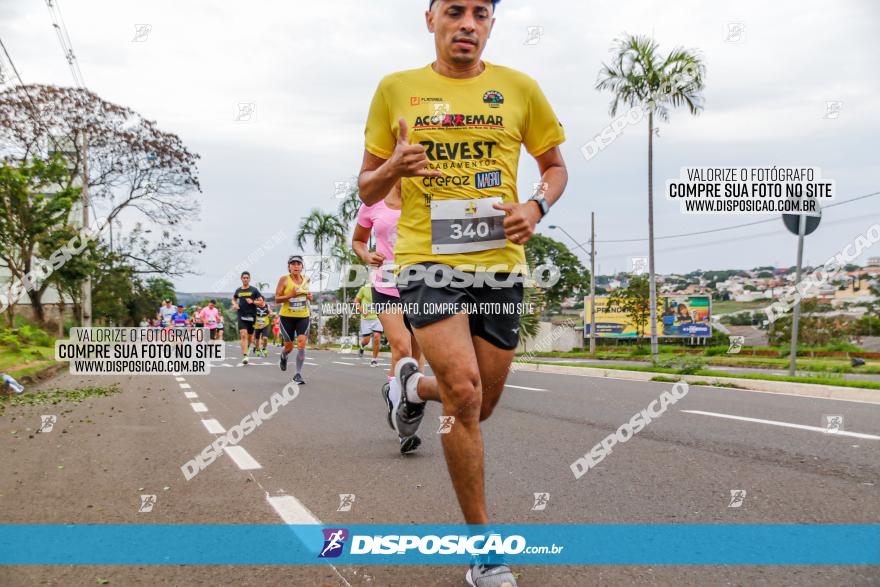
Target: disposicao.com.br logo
449,544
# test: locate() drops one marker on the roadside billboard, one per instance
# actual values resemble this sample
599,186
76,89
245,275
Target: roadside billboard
679,316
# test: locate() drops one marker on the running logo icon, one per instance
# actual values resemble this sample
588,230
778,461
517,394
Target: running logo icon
446,423
833,423
736,344
334,541
737,497
639,265
47,423
534,35
147,503
541,500
346,500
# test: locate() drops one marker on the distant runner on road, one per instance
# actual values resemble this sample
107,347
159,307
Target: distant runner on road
293,291
244,301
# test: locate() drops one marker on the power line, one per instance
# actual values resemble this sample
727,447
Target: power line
714,230
64,39
35,112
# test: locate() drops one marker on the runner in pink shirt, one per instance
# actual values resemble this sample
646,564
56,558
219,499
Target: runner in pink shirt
210,316
381,219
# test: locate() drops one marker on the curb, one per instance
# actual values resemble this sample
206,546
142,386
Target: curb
871,396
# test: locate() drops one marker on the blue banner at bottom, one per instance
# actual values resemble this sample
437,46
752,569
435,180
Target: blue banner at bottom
539,544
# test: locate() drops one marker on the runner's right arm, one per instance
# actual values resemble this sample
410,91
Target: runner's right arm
279,291
378,176
359,246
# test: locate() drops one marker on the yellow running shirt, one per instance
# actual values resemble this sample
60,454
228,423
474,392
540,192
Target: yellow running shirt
472,130
297,307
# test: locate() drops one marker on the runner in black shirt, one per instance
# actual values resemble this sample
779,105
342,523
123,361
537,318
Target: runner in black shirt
244,301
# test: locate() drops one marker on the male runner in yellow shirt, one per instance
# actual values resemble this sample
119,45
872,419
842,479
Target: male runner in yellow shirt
452,133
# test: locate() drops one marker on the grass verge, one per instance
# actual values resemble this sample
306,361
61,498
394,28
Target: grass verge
818,380
55,396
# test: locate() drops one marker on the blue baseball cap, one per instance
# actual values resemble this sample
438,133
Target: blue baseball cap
431,3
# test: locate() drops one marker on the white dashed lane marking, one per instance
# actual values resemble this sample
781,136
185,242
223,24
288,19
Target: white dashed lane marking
525,388
785,424
242,458
199,407
190,395
185,386
291,510
179,379
213,426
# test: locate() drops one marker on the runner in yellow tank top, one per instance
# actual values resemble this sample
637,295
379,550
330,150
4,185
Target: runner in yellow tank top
293,292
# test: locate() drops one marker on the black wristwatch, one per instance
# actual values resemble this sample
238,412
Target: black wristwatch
542,205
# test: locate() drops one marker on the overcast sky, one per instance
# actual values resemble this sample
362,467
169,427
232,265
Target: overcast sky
310,69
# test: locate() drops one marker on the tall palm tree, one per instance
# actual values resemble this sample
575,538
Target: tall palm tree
350,204
345,258
641,77
320,230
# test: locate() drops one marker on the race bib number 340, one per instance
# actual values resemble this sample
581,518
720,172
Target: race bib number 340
466,226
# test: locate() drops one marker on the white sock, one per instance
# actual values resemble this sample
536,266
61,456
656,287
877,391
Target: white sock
412,387
393,391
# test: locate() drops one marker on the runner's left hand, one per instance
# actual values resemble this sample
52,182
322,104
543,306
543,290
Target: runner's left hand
519,225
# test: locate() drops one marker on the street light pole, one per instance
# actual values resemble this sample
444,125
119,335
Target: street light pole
593,283
592,254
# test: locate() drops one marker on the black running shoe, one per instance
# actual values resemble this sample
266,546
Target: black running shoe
298,379
409,414
409,443
385,391
283,362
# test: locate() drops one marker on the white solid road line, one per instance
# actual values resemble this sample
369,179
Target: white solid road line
185,386
199,407
343,363
291,510
242,458
213,426
785,424
190,395
523,387
311,364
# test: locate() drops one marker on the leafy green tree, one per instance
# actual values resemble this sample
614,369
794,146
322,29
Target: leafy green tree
635,301
639,76
35,204
574,279
530,322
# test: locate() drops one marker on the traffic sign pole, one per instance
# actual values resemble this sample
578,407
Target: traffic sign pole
796,316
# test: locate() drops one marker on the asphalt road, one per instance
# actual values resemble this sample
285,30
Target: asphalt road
333,439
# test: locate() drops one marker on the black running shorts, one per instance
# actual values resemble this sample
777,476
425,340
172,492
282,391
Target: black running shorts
493,312
246,325
293,327
261,332
383,303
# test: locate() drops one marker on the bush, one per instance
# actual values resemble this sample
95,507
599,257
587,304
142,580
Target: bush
32,335
10,341
641,351
684,364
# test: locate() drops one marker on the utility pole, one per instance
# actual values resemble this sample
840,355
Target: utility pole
86,294
796,316
592,283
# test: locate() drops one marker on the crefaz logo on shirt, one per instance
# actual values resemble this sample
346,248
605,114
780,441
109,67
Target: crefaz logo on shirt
455,151
482,180
452,120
